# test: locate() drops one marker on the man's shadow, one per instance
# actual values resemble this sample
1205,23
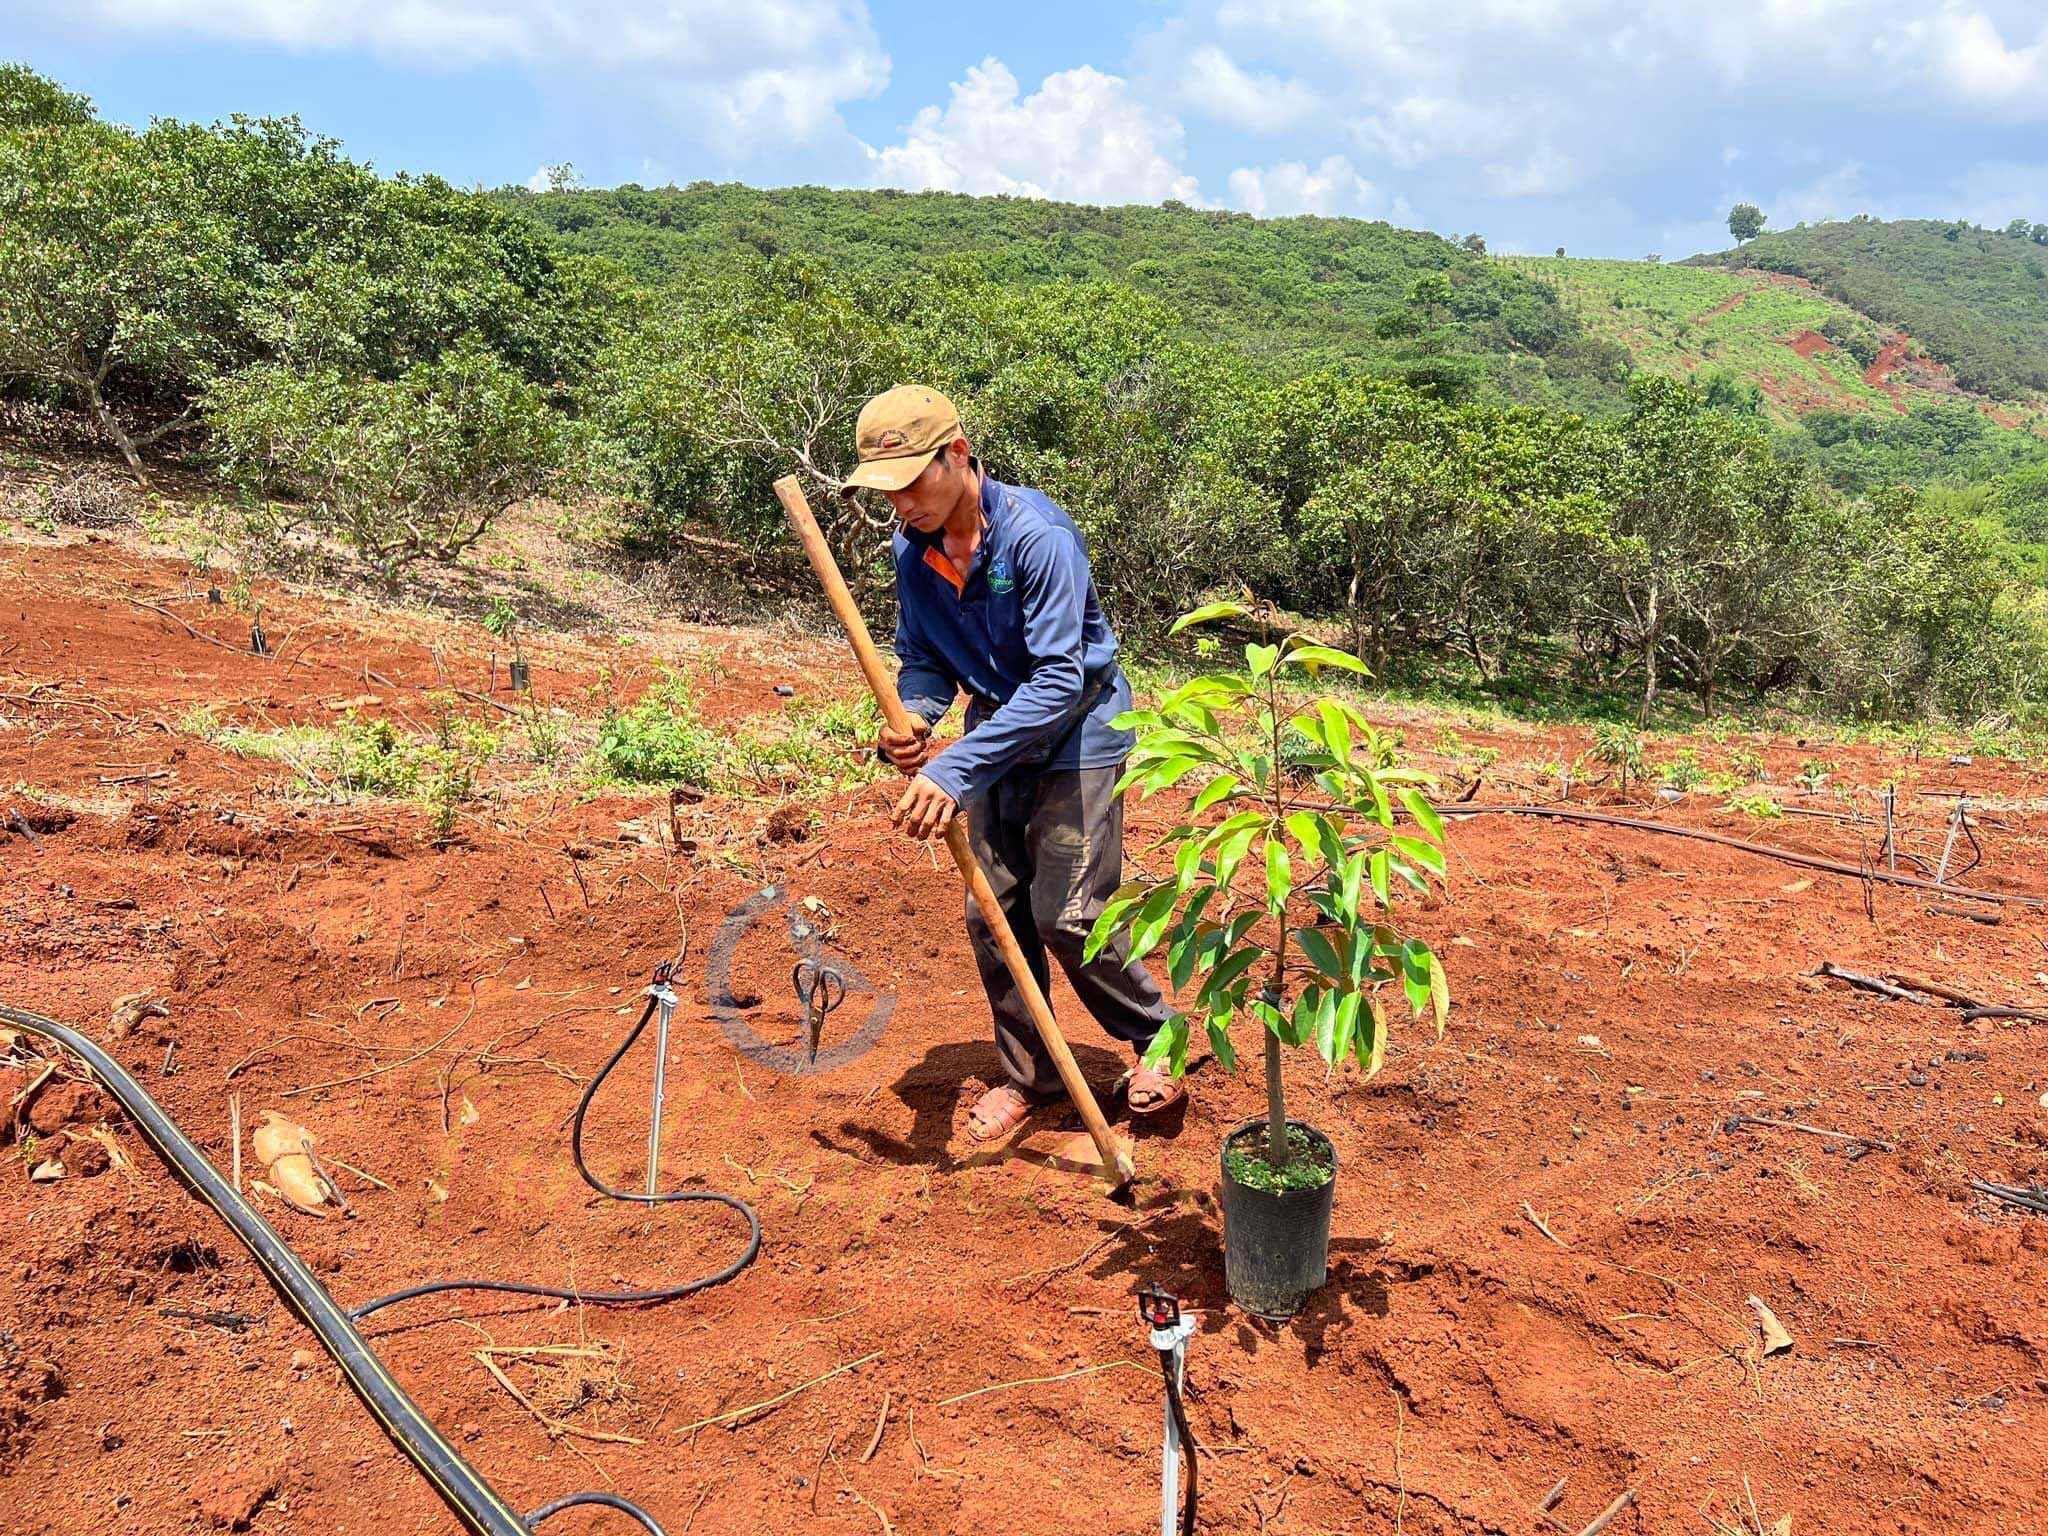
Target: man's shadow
931,1087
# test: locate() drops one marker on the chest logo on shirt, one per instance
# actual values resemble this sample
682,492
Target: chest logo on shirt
999,577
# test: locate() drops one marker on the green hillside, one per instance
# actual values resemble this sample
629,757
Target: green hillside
1291,294
1975,298
1860,401
1802,350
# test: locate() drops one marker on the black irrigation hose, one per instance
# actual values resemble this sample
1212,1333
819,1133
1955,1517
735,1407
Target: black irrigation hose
608,1500
1188,1449
479,1508
474,1502
601,1298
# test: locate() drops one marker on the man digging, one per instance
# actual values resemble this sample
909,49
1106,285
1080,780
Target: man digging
995,600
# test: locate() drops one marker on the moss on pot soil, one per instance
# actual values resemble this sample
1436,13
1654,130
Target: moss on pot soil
1310,1164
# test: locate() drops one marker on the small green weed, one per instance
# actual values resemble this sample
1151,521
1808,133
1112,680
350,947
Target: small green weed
1683,772
1813,772
1756,805
1748,765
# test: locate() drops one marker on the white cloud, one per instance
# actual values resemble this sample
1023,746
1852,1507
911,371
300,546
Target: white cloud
1274,191
541,179
1999,191
1214,85
1541,172
743,70
1837,195
1971,57
1082,135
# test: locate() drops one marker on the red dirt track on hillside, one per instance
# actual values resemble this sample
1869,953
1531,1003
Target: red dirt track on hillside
1618,998
1721,308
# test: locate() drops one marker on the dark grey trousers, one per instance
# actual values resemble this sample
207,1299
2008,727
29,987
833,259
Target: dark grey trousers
1052,844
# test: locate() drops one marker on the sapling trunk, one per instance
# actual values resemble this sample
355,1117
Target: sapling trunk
1276,1107
1276,1096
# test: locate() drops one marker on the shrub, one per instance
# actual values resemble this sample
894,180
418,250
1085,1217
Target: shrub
415,468
658,740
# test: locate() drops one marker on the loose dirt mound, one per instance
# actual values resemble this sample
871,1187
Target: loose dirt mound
1619,998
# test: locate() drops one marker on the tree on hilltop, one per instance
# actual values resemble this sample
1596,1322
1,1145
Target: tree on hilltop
1746,221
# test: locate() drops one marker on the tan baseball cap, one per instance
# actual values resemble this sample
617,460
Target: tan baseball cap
899,432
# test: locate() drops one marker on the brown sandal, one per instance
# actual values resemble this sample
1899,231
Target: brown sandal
1162,1089
1000,1111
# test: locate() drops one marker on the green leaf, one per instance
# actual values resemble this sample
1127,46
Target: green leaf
1334,1041
1336,731
1206,613
1213,791
1369,1043
1348,891
1378,865
1439,993
1279,877
1332,1037
1424,813
1415,959
1416,851
1304,827
1170,1046
1260,659
1186,949
1111,918
1330,843
1321,953
1220,1043
1226,972
1169,773
1303,1022
1231,851
1270,1016
1230,824
1314,658
1154,914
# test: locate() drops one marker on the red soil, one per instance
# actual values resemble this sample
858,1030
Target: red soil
1809,344
1618,997
1879,373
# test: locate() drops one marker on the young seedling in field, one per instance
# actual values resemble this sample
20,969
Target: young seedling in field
1279,903
1620,748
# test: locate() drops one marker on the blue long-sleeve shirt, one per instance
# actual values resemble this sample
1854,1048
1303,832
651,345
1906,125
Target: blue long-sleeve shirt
1022,635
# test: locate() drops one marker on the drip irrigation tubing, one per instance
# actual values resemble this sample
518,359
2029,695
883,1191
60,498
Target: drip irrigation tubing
666,1197
1786,855
474,1502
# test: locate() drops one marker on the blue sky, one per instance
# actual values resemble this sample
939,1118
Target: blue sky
1612,127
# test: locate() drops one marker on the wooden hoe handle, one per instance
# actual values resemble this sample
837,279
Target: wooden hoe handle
1117,1167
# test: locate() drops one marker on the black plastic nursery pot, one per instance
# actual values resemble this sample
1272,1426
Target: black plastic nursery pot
1276,1244
521,678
